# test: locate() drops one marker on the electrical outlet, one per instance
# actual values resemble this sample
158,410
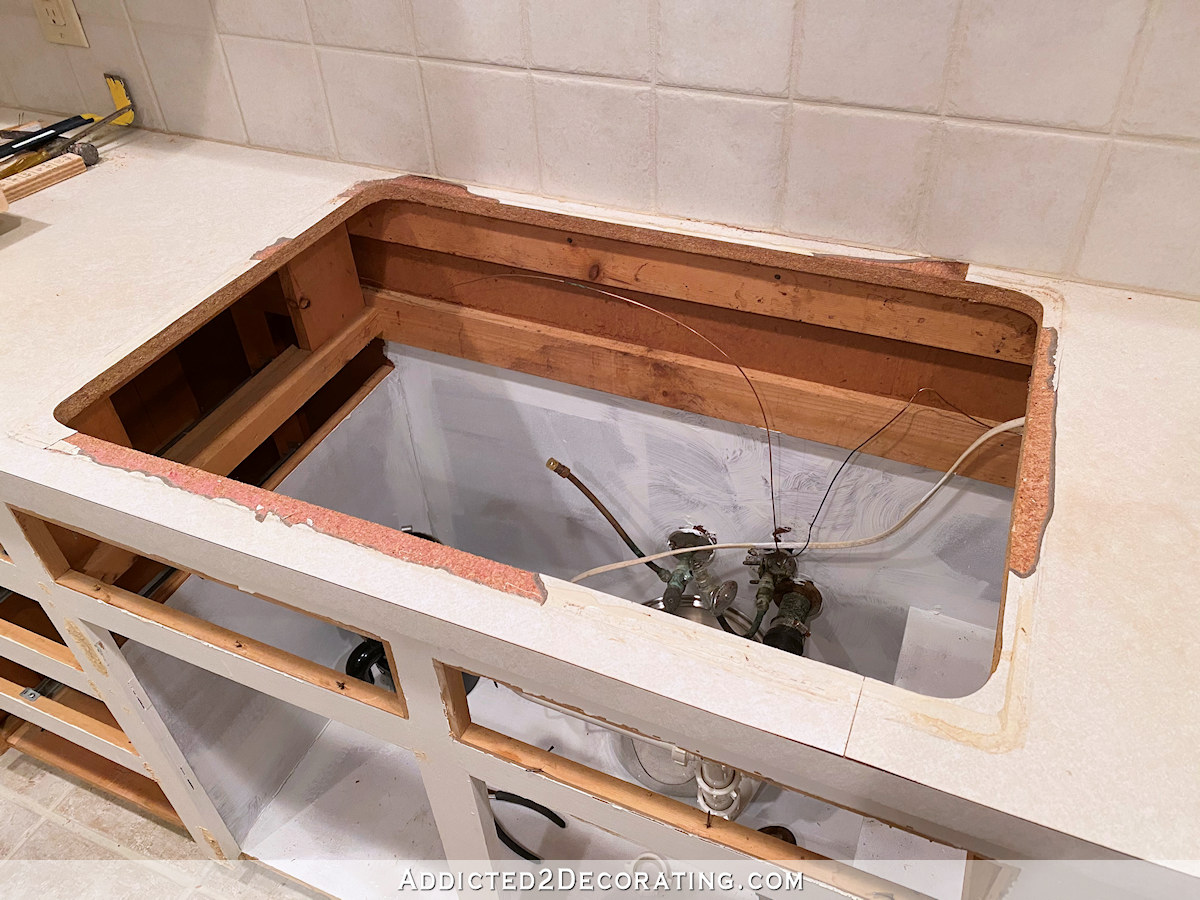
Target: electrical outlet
60,22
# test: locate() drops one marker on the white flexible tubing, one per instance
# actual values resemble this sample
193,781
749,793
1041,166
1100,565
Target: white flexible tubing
1010,425
599,723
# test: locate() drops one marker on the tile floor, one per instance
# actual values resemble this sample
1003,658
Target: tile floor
60,838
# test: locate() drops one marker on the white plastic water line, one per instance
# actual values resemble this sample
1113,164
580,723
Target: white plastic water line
1010,425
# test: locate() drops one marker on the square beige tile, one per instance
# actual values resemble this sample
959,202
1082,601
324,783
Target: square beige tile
1165,100
1146,225
127,826
612,38
856,175
87,880
191,81
475,30
53,841
1008,196
482,123
362,24
245,880
743,47
720,159
279,90
375,103
15,823
595,140
874,54
33,780
1058,63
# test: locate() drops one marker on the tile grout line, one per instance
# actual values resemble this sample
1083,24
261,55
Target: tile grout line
316,58
937,149
779,213
527,54
430,144
431,163
52,816
137,49
1100,173
655,12
237,101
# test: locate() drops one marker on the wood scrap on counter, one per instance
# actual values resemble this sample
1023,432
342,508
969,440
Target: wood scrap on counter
16,187
43,155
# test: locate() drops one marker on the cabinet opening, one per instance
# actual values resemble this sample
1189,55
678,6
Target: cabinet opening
703,391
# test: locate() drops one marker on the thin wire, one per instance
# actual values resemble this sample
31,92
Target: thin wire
1010,425
882,428
761,406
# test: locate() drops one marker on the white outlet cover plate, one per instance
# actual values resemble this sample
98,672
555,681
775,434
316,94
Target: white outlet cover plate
60,22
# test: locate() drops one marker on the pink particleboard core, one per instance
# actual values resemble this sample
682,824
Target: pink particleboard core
265,503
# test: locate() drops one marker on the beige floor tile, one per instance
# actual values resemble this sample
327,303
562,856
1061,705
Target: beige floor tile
250,881
34,780
127,826
15,822
52,841
82,869
86,880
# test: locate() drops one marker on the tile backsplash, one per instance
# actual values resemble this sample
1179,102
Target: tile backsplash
1059,137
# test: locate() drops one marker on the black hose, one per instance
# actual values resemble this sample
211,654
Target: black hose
507,839
518,800
559,469
510,842
371,653
363,658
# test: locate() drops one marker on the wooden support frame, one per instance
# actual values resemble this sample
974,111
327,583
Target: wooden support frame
227,435
173,582
301,453
97,736
228,644
224,438
666,811
43,655
322,289
907,315
124,783
323,690
929,437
